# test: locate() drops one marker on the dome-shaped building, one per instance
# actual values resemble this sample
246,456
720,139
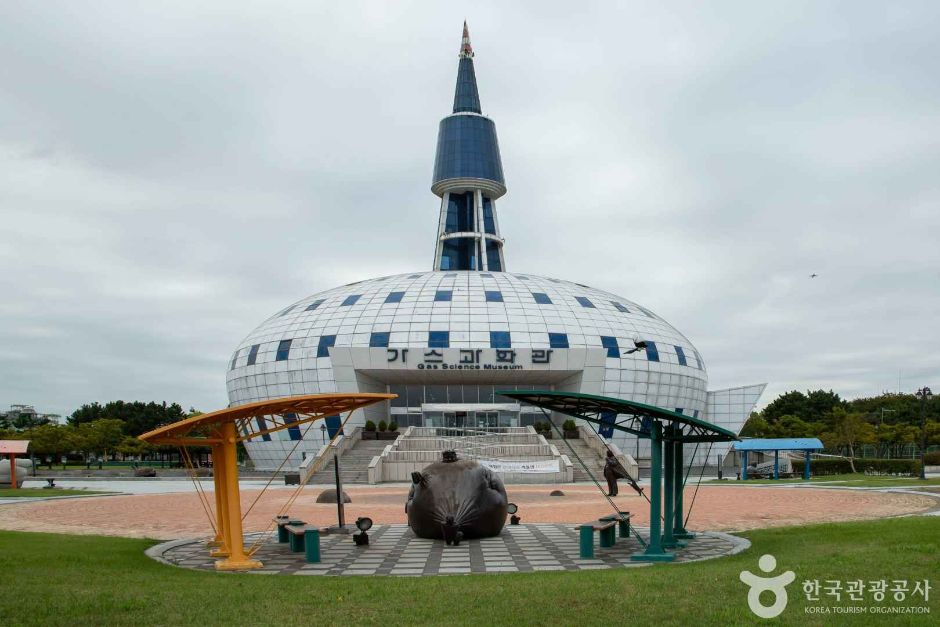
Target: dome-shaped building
445,340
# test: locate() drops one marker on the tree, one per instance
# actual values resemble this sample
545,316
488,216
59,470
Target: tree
50,440
848,430
138,417
100,436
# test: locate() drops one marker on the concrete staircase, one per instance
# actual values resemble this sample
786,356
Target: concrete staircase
587,455
353,464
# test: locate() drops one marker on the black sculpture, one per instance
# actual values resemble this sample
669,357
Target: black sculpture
455,499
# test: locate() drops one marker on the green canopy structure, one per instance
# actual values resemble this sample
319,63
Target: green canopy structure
667,431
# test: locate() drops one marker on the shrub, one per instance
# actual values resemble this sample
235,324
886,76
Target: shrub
823,467
370,426
569,425
393,426
383,425
932,459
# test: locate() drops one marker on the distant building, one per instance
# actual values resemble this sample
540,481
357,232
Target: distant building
22,417
446,340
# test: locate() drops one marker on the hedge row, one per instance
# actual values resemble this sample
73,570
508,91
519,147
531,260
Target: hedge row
820,467
932,459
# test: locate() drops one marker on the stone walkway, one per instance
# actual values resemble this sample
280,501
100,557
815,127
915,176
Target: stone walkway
395,550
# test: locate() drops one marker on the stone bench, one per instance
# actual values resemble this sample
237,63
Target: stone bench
607,534
306,539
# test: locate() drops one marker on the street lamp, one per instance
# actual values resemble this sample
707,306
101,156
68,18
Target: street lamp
925,394
323,432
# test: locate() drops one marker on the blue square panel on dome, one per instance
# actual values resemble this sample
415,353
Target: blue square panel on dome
253,354
494,296
558,340
394,297
585,302
379,339
442,296
619,307
610,343
350,300
314,305
325,344
541,298
500,339
439,339
652,353
681,355
283,350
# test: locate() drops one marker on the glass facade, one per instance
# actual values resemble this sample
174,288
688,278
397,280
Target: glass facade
407,410
466,95
459,213
467,148
492,256
489,222
459,254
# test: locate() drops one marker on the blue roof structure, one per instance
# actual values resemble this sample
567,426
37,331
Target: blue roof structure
467,147
779,444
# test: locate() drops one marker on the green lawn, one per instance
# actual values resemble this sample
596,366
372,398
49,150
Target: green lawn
81,580
857,480
24,492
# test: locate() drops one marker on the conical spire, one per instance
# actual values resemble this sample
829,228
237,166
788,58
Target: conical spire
466,96
466,50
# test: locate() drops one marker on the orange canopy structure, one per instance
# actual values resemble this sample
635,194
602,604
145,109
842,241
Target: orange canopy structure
223,429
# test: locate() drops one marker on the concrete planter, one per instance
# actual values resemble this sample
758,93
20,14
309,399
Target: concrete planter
386,435
369,435
572,435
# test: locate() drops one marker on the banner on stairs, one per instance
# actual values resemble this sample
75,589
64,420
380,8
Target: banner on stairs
533,467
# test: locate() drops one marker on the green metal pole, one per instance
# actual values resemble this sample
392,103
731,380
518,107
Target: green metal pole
679,530
654,550
669,488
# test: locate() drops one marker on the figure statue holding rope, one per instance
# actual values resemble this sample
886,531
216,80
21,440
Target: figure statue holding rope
614,470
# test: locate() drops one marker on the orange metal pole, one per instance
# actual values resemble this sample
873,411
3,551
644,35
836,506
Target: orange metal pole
237,560
218,479
13,470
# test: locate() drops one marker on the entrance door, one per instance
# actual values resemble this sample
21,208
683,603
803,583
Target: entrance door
487,419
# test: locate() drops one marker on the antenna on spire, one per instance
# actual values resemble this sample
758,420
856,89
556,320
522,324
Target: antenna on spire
466,50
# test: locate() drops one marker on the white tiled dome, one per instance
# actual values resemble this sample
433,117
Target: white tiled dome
528,307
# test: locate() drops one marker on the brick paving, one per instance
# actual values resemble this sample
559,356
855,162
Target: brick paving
721,508
395,550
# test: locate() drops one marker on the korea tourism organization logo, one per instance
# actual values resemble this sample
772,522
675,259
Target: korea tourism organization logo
854,596
776,585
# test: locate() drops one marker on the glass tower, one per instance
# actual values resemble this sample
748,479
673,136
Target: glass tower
468,178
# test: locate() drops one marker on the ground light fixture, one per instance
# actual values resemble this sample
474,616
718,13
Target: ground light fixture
363,524
925,395
512,508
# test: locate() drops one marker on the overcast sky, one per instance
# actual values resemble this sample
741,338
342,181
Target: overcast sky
172,175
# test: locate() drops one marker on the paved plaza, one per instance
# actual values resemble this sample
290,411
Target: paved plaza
395,550
179,515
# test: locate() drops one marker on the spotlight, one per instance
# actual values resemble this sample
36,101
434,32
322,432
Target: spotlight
363,524
512,508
